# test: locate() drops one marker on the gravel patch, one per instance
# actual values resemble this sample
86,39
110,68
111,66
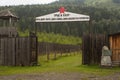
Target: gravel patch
60,76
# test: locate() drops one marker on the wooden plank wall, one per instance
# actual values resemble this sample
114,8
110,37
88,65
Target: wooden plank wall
33,50
22,51
115,47
92,48
18,51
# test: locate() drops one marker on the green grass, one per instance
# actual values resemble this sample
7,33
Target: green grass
61,64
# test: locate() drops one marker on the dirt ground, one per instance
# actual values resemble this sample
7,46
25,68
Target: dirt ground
60,76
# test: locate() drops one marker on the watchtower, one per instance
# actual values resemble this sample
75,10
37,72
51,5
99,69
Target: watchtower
15,50
8,22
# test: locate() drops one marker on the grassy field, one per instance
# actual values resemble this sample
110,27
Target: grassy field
61,64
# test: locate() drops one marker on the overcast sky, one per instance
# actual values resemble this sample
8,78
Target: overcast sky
19,2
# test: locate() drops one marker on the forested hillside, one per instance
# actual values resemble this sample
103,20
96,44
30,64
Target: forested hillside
116,1
104,19
103,3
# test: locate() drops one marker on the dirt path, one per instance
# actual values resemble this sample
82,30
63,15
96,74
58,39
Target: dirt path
60,76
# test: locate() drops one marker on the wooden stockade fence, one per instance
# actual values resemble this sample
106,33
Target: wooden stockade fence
47,48
18,51
92,48
15,50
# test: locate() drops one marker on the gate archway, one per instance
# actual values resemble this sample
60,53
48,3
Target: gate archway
61,16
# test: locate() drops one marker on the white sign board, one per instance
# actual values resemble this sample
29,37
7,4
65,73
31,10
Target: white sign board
62,17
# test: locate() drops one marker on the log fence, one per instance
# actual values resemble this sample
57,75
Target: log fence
47,48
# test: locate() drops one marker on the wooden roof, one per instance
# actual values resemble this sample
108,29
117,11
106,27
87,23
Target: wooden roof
6,14
113,34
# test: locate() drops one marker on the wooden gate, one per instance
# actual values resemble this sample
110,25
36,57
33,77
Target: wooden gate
92,48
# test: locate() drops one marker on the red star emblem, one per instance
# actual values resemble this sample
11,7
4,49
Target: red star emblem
62,10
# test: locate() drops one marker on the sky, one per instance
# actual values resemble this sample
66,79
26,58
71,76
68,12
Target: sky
23,2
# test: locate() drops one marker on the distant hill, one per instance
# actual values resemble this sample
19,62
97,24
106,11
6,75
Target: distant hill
71,0
116,1
105,16
97,3
103,3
